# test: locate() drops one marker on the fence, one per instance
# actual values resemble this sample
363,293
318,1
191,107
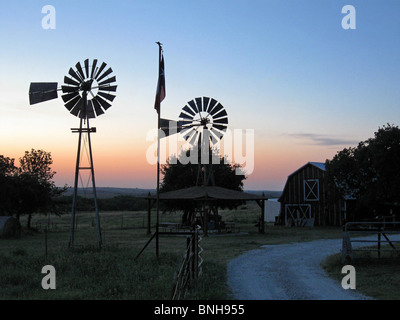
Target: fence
191,267
109,221
381,229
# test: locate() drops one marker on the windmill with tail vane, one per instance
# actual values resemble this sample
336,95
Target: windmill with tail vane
202,123
88,91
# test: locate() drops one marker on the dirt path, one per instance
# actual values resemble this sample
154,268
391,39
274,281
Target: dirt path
287,272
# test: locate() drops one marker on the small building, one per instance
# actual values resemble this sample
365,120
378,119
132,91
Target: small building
272,210
307,199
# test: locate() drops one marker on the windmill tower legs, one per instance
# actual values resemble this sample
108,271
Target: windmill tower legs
87,130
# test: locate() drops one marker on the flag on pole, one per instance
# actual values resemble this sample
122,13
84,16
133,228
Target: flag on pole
161,93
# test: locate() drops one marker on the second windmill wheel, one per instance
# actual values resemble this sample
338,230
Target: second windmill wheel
88,89
203,116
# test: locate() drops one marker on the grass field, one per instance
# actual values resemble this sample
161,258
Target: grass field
378,278
113,273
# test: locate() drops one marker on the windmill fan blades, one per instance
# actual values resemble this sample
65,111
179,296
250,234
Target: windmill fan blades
220,114
69,89
193,105
70,81
93,68
80,71
97,107
70,104
185,116
80,96
194,138
69,96
78,108
108,88
109,97
87,67
102,102
103,65
216,109
108,81
213,102
185,123
217,133
199,103
74,75
206,100
105,74
222,120
203,118
220,127
188,110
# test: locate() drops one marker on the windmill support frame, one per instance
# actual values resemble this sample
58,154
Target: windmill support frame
87,130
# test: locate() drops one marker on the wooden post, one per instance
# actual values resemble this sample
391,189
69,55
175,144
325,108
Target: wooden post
262,222
261,204
347,251
193,252
379,243
45,240
205,221
149,214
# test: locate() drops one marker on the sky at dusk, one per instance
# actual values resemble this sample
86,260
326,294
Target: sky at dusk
287,70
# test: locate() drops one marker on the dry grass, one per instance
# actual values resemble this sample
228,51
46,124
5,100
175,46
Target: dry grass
113,273
376,277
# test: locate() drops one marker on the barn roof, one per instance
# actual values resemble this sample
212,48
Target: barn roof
208,193
319,165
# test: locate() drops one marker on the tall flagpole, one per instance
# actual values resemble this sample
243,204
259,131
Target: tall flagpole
158,160
160,95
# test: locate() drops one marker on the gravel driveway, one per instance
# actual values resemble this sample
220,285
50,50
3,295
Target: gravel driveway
287,272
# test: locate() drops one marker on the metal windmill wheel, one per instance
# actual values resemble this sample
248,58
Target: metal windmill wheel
203,121
92,84
203,117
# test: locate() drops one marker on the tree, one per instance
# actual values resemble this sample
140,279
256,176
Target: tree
36,187
7,167
38,163
7,185
177,175
370,172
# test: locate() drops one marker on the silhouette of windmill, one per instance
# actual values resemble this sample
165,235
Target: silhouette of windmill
87,93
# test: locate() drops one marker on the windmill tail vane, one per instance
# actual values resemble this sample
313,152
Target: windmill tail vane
42,91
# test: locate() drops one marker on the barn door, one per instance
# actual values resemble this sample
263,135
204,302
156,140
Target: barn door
298,215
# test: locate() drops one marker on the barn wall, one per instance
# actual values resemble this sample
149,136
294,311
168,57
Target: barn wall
327,210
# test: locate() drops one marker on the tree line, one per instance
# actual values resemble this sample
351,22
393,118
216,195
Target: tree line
116,203
27,188
370,173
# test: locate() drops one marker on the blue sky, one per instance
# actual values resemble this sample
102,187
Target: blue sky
286,69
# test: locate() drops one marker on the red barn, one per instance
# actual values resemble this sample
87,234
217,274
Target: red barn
308,200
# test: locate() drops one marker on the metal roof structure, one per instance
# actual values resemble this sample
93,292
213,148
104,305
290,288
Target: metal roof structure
208,193
320,165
